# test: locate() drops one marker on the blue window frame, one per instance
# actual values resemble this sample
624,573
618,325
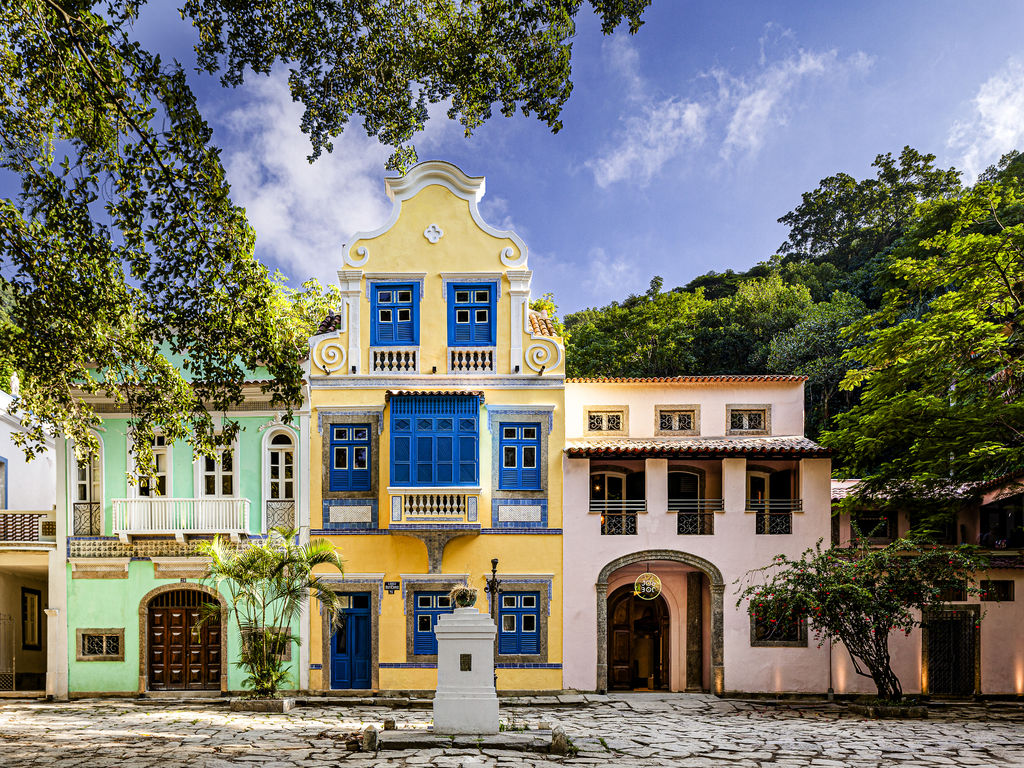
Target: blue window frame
427,607
519,453
471,310
519,623
394,314
434,440
349,457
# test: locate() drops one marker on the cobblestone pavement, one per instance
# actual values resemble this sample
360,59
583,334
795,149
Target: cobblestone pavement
636,730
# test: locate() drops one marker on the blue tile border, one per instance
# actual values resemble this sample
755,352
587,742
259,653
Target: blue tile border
347,532
528,665
407,665
316,666
523,531
329,526
433,665
498,523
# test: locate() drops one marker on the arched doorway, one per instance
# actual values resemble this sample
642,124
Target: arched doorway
177,654
638,642
716,610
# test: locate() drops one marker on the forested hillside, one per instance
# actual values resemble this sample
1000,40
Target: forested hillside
898,295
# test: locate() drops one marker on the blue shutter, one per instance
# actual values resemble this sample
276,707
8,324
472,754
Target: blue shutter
440,433
520,641
348,478
473,330
520,476
394,331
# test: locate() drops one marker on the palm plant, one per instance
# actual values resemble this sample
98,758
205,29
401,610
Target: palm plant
268,581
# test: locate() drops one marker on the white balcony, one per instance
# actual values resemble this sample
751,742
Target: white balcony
178,517
470,359
445,505
394,359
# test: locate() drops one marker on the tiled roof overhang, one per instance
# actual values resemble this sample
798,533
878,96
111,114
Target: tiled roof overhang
436,392
694,447
738,378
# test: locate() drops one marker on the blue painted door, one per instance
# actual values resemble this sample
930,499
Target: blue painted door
350,645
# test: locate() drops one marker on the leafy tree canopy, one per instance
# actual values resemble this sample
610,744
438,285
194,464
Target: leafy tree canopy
942,363
128,273
861,596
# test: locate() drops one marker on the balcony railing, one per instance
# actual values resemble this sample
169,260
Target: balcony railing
618,517
17,525
695,517
774,516
470,359
394,359
87,518
281,514
133,517
441,506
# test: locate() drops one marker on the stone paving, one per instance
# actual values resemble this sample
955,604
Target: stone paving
629,730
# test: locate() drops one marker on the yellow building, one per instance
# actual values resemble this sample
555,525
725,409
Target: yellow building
437,401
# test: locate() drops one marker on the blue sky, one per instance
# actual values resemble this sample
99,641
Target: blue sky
681,145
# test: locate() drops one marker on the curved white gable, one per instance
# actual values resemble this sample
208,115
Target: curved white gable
451,177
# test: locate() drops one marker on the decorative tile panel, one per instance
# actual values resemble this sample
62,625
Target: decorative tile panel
519,513
349,514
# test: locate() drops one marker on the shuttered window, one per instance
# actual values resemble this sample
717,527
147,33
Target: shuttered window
519,623
519,453
350,457
435,440
471,309
394,318
427,607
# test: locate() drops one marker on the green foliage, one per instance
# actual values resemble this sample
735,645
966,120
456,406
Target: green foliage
860,596
814,348
386,62
129,274
268,582
942,362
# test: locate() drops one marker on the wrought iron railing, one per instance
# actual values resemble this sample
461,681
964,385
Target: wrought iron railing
618,517
471,359
394,359
695,517
281,514
87,518
180,516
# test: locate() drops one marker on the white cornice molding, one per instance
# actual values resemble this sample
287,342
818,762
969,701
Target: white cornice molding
452,178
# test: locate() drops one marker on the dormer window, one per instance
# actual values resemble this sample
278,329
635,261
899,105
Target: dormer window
393,319
471,308
609,421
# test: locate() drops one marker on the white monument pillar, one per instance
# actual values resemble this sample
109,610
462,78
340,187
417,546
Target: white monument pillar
465,702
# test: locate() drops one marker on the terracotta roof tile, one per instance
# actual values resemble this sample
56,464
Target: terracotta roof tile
540,323
687,379
330,323
694,446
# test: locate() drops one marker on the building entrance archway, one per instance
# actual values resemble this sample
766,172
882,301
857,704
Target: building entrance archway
639,650
716,610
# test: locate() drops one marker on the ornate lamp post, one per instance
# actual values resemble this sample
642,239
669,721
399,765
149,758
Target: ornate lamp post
493,588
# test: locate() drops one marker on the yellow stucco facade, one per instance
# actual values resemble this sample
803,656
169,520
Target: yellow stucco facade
400,537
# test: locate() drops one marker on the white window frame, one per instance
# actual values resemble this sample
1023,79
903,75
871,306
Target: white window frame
265,449
199,474
133,488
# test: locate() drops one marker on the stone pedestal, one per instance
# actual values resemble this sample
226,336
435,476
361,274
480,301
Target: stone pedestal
465,702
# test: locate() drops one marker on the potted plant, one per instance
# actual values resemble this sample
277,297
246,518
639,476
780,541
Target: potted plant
463,596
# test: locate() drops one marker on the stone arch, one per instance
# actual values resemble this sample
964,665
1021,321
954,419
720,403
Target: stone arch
717,609
144,629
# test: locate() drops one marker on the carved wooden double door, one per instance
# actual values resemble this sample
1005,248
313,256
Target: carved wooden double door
182,655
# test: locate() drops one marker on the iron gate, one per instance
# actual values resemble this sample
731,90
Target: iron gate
951,653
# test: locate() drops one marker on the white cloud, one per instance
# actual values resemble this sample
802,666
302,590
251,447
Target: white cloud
737,117
649,140
997,124
757,103
302,212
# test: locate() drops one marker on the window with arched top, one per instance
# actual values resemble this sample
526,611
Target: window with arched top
280,482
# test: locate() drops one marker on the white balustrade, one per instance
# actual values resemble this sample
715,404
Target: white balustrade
394,359
180,516
441,505
471,359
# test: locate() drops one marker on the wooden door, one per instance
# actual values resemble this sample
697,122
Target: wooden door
182,655
638,641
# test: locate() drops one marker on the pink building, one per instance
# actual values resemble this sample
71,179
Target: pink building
700,479
697,480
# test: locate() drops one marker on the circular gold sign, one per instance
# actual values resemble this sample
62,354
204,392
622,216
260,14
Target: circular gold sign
647,586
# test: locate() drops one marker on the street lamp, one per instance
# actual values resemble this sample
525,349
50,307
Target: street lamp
493,588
